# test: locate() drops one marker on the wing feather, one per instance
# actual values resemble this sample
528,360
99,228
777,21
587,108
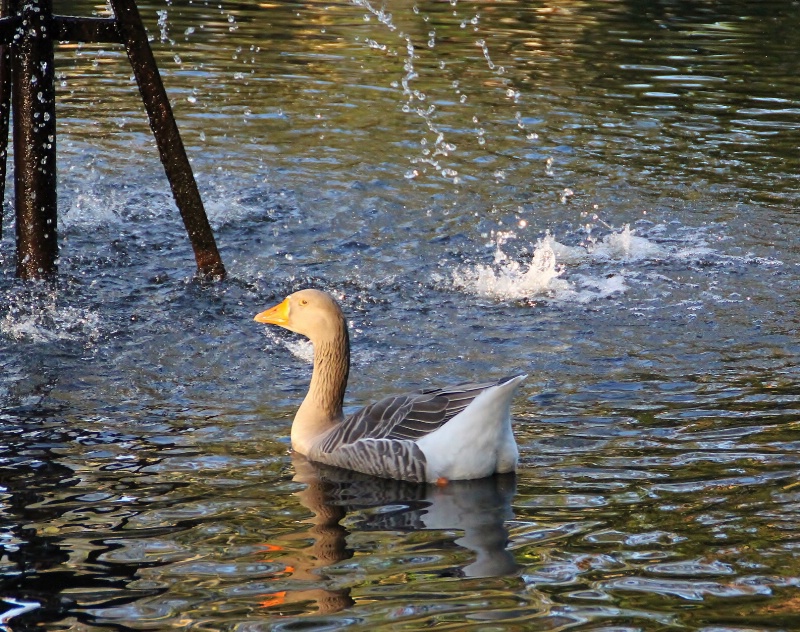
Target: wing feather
379,457
381,439
405,417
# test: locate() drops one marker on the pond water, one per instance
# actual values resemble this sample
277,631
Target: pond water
600,193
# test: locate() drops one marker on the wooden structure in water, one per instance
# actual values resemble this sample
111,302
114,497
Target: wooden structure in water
28,33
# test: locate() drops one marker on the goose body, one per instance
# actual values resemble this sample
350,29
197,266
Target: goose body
432,435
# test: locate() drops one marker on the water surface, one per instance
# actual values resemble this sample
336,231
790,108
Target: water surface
601,194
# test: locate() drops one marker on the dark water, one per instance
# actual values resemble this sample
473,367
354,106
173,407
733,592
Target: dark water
461,176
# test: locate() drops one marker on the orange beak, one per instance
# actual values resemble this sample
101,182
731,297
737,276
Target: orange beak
278,315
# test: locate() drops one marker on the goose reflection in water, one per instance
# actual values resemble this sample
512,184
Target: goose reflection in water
478,507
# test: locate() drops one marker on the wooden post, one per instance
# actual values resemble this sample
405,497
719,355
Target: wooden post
5,111
170,145
28,30
33,101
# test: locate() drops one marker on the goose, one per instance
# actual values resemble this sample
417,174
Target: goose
433,435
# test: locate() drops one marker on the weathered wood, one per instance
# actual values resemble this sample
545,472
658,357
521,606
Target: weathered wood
33,102
27,85
170,145
5,101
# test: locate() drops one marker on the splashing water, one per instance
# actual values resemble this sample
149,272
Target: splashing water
45,321
509,279
626,246
300,348
545,276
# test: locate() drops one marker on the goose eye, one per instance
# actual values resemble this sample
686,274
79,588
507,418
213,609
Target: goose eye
303,302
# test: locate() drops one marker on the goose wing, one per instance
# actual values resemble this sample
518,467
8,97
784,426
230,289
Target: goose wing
410,416
381,439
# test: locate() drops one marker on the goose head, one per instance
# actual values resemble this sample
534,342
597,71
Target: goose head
311,313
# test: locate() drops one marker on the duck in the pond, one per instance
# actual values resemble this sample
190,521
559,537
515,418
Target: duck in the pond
433,435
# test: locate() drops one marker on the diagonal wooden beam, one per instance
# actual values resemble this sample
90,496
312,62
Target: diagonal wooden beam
26,55
168,139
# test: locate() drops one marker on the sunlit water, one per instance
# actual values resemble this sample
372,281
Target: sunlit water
601,194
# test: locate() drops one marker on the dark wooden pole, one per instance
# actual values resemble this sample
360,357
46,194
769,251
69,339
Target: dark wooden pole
33,101
170,145
5,111
28,30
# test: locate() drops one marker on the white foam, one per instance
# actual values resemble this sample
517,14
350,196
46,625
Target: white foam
626,246
548,273
591,288
87,209
509,279
300,348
